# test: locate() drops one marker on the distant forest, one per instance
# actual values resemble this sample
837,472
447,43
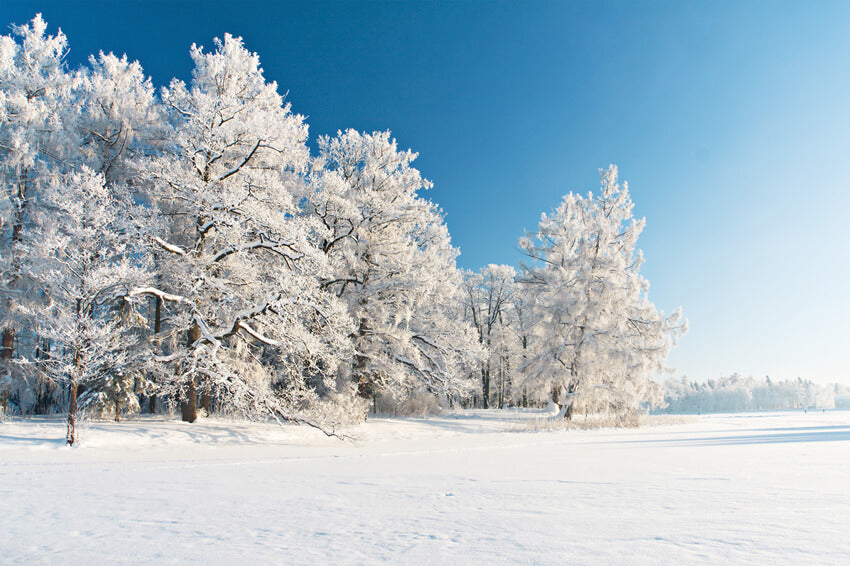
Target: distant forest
737,393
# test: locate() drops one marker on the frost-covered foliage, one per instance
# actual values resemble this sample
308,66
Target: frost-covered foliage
34,87
491,299
119,118
183,247
71,252
737,393
256,333
597,339
394,266
576,325
82,254
116,200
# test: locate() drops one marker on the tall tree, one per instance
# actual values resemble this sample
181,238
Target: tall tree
598,339
257,330
489,294
393,265
83,242
117,122
83,254
34,86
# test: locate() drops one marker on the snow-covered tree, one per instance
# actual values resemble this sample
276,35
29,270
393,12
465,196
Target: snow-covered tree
83,255
34,86
97,120
598,340
254,330
393,265
188,245
118,118
489,297
522,317
117,122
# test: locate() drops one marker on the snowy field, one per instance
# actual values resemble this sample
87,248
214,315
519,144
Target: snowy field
770,488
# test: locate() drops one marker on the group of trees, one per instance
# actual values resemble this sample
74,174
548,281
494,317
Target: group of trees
185,247
575,325
737,393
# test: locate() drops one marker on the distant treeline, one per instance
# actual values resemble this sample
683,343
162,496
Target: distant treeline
737,393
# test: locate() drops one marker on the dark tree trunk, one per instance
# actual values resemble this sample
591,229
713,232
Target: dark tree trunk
571,401
8,348
189,407
71,435
6,351
206,402
485,387
365,386
157,326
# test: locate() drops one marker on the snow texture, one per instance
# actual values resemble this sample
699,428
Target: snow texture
471,488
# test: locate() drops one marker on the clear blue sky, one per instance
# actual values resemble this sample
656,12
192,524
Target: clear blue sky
730,120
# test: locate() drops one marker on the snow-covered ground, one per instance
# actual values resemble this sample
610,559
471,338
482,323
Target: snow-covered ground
460,489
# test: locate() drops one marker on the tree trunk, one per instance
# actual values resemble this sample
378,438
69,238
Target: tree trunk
6,351
499,389
365,386
571,401
8,348
485,387
189,407
206,402
157,326
117,409
71,435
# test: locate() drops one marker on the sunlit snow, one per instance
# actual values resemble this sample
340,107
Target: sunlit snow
477,487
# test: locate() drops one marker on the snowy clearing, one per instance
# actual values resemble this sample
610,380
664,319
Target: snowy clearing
462,488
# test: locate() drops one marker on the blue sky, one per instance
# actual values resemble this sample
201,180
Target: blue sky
730,120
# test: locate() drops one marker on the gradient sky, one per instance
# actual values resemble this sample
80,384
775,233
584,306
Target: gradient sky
729,120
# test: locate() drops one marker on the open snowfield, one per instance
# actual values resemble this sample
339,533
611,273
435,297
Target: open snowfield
460,489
